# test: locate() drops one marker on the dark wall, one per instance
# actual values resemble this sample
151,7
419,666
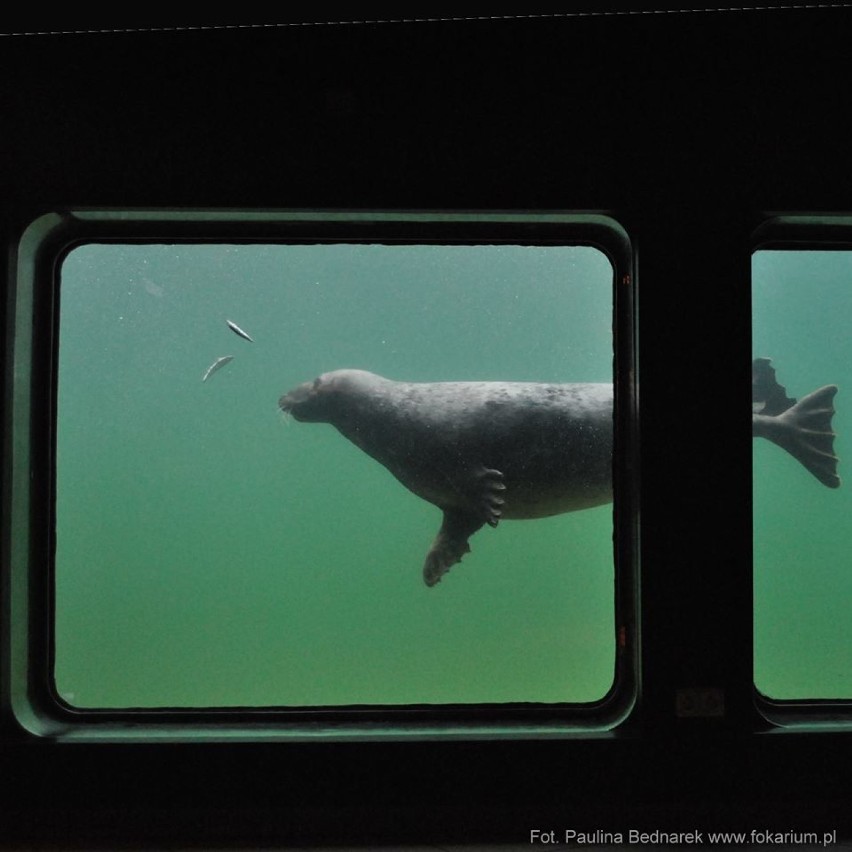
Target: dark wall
687,129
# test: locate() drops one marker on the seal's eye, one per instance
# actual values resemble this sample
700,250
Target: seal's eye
317,383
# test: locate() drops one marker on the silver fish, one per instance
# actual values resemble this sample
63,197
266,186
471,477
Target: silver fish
217,365
238,331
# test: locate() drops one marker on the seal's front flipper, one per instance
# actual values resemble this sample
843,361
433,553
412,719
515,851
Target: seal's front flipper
450,544
804,430
491,490
485,506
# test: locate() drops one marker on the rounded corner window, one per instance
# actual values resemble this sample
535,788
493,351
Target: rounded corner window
802,416
301,470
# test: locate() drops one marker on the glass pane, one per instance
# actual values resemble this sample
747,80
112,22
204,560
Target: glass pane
802,307
213,552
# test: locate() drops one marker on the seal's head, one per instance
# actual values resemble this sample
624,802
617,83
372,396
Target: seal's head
328,397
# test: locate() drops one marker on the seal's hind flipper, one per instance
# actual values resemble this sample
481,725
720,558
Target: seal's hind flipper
450,544
805,431
811,436
767,396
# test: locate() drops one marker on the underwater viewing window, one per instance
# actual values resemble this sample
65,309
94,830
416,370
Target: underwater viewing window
248,431
802,403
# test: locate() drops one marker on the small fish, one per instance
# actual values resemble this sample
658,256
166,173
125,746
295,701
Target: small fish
238,331
217,365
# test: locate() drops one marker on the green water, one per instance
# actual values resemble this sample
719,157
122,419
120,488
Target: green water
802,307
209,553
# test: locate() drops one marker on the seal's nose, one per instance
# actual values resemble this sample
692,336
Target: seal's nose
295,397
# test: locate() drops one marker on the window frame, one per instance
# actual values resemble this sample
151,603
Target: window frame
34,317
800,232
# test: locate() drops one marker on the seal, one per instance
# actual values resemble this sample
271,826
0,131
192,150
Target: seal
803,428
486,451
479,451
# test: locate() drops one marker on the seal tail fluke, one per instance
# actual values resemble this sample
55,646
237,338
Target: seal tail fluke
449,545
767,395
806,433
